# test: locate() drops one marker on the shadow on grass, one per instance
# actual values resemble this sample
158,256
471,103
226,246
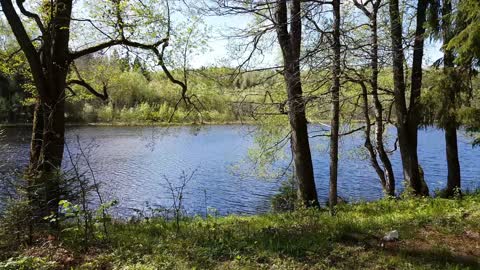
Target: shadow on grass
437,257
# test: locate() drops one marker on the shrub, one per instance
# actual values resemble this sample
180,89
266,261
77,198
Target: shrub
15,225
164,112
286,199
105,113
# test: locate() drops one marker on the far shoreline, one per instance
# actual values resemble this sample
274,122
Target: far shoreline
158,124
133,124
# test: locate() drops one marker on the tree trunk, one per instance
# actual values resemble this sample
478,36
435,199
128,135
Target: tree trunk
335,121
55,66
54,129
417,182
453,163
55,62
454,175
290,44
37,137
52,154
46,155
307,192
389,186
407,119
368,142
386,175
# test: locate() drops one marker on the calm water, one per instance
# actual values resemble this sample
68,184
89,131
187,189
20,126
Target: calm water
133,162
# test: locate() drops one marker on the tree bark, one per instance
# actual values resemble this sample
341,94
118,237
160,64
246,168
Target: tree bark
290,44
335,121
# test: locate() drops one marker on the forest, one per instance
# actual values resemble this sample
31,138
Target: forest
239,134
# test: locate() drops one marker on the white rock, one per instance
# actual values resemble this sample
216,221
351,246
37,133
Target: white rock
391,236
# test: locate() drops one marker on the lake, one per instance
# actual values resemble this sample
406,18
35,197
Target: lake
133,163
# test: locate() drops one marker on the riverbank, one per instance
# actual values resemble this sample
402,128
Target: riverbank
433,234
161,124
137,124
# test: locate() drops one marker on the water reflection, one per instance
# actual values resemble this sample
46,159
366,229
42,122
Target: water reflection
132,163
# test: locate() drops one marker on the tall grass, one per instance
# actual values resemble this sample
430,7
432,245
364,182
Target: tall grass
434,233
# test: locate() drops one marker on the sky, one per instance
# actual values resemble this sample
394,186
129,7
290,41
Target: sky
218,52
218,43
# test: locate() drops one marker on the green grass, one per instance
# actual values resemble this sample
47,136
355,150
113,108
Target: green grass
434,234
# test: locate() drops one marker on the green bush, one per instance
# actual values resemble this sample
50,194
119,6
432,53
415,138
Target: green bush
164,112
105,113
286,198
15,225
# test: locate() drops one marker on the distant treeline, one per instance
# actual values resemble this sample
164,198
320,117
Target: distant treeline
138,95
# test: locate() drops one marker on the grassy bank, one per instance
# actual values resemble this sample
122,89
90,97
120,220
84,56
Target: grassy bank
434,234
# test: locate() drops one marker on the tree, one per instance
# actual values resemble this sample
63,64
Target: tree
49,67
50,59
280,20
138,66
452,94
450,99
465,43
466,40
290,43
387,178
335,121
407,116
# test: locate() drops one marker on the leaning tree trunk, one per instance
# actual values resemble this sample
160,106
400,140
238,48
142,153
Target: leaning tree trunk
386,175
335,122
368,142
290,44
451,146
389,177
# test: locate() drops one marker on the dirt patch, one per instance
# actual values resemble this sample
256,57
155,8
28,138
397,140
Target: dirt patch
431,244
52,251
464,244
